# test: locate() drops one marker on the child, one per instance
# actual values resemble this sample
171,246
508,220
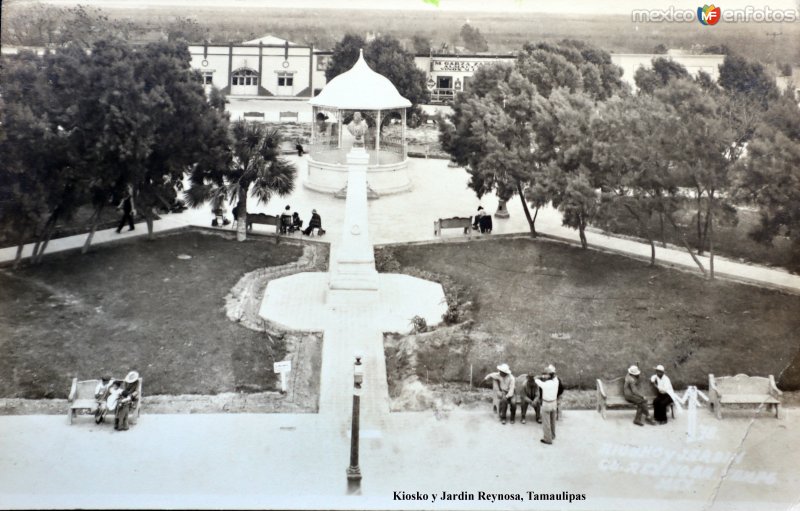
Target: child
111,401
100,394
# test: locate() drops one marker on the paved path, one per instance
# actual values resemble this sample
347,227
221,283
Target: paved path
438,191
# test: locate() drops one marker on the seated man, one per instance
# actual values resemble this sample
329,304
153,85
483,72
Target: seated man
129,399
109,404
525,394
100,395
297,224
476,220
286,220
664,398
314,223
632,394
486,223
504,382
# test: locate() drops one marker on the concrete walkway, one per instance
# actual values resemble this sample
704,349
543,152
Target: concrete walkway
439,192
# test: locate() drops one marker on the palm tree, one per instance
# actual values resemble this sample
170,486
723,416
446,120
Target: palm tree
255,160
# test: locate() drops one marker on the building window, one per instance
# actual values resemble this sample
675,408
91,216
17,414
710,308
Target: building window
444,82
322,62
208,78
244,76
285,80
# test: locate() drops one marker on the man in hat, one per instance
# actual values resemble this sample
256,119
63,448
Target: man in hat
503,383
525,394
128,401
548,385
314,223
664,398
632,394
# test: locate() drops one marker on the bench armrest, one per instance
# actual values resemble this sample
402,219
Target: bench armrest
601,390
73,391
774,388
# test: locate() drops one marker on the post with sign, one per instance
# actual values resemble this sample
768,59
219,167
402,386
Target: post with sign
354,471
283,368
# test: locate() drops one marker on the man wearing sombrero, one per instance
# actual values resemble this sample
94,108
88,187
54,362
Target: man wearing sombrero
505,383
128,400
632,394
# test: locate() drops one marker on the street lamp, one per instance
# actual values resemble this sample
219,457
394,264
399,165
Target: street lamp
354,471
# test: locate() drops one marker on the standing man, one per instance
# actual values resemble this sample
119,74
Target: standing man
503,383
128,210
549,393
632,394
664,397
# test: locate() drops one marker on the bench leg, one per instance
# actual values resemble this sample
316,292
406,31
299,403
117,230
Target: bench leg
71,414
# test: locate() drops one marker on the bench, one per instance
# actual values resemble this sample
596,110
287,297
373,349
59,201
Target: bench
81,398
288,115
455,222
610,395
263,219
743,390
258,115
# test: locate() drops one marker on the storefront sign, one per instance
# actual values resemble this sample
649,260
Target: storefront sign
464,66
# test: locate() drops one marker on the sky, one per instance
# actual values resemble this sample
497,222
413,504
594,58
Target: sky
508,6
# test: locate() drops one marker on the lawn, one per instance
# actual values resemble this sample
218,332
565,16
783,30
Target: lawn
137,305
593,314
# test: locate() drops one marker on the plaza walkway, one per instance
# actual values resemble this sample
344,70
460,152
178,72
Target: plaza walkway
299,461
439,192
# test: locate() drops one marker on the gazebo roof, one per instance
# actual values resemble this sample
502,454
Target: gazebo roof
360,88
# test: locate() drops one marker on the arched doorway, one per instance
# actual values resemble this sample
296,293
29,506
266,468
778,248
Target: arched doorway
244,82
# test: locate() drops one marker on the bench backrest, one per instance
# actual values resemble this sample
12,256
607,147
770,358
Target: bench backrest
616,387
85,389
455,221
262,218
742,384
288,115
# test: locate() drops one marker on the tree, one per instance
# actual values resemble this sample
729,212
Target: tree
749,79
255,162
473,39
663,71
421,44
187,30
386,56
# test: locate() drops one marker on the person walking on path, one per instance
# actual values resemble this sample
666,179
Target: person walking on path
503,383
632,394
549,393
665,394
128,211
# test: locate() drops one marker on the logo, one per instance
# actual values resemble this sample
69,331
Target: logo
708,14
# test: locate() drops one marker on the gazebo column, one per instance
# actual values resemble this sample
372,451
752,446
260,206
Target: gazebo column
378,139
339,114
403,134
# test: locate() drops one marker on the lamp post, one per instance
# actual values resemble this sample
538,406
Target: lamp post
354,471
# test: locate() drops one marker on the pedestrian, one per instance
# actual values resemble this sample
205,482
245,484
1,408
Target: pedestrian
664,396
503,383
314,223
128,210
548,384
632,394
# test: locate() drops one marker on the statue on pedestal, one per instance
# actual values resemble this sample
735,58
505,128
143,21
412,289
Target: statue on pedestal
357,128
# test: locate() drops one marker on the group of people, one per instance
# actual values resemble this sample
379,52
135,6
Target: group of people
665,395
118,397
529,390
543,392
291,222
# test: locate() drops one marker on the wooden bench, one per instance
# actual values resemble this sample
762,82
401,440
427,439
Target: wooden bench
743,390
263,219
455,222
610,395
257,115
288,115
81,398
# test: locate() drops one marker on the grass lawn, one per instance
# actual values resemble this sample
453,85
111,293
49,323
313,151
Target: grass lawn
136,305
593,314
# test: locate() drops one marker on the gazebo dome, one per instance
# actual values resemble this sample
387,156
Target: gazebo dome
360,88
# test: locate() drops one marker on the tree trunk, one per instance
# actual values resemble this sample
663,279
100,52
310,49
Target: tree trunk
699,221
704,241
686,245
148,219
241,226
18,256
710,224
45,240
92,230
661,226
646,232
531,221
582,233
